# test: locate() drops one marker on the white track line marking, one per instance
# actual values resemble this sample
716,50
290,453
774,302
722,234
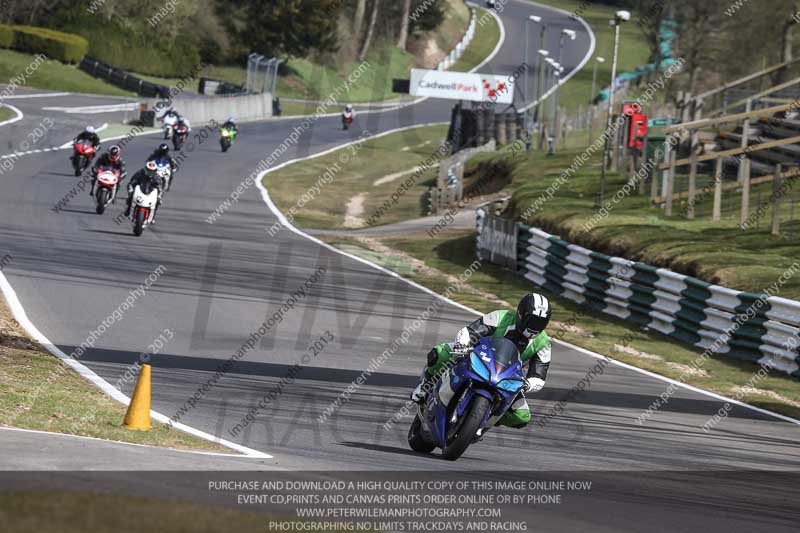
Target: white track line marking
282,219
95,109
15,110
109,441
69,145
35,95
98,129
88,374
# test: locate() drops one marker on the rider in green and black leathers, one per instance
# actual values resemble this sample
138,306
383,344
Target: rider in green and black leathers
526,328
230,124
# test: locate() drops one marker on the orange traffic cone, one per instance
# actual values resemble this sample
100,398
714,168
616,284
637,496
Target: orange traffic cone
138,415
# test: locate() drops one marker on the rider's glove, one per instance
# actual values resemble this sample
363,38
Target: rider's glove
534,384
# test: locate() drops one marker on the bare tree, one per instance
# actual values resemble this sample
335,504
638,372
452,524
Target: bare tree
370,30
651,15
701,27
788,31
402,42
358,20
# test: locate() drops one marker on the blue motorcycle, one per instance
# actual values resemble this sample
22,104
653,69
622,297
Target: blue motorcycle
472,391
165,172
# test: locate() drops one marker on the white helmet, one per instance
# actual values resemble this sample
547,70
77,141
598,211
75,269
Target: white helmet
89,129
348,107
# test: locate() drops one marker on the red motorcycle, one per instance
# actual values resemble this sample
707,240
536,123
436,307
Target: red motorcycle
83,154
347,120
106,188
180,132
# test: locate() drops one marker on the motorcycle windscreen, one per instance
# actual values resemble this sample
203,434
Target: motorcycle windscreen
505,353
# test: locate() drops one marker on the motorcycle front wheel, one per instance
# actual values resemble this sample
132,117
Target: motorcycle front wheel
138,222
415,439
460,440
102,200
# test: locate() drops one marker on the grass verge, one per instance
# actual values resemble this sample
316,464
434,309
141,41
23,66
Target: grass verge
450,253
37,391
371,82
6,113
52,75
487,35
351,196
748,260
72,511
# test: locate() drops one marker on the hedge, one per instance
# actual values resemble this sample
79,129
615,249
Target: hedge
131,48
6,36
65,47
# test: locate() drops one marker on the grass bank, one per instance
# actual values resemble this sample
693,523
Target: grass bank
487,35
6,113
52,75
73,511
37,391
356,182
720,252
491,287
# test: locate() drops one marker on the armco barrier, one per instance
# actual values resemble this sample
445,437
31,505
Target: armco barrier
760,328
458,50
122,79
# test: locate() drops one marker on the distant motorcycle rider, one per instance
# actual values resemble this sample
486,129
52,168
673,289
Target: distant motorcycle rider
89,134
183,121
112,158
162,152
147,174
525,328
169,119
347,116
230,125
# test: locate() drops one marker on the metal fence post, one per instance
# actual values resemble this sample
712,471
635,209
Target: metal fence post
275,76
745,210
745,136
692,176
717,212
776,201
671,182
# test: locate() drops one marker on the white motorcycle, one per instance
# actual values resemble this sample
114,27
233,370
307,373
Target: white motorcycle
145,201
169,121
165,173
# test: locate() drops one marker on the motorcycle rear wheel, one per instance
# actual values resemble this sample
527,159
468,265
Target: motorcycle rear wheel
470,423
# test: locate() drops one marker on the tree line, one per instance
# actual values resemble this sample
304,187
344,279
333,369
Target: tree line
721,41
224,31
